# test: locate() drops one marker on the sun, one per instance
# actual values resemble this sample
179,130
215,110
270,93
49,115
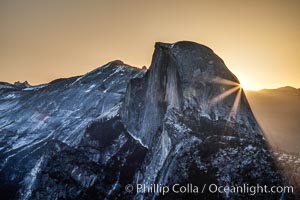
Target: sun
244,85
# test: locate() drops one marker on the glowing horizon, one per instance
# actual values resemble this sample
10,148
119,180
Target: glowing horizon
45,40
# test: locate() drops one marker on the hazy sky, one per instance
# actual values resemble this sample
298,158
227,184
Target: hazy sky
41,40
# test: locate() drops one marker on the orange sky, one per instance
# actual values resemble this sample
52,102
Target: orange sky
43,40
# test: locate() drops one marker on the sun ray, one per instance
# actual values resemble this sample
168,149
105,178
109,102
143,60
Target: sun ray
223,81
223,95
235,105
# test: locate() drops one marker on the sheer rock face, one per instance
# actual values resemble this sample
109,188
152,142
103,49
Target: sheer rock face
194,137
119,125
183,77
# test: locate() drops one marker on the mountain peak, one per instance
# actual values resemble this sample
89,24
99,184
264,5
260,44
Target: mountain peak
117,62
188,45
192,59
287,88
19,84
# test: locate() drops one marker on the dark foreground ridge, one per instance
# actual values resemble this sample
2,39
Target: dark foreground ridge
88,137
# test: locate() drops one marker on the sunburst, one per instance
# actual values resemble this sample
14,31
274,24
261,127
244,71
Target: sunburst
223,95
237,88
